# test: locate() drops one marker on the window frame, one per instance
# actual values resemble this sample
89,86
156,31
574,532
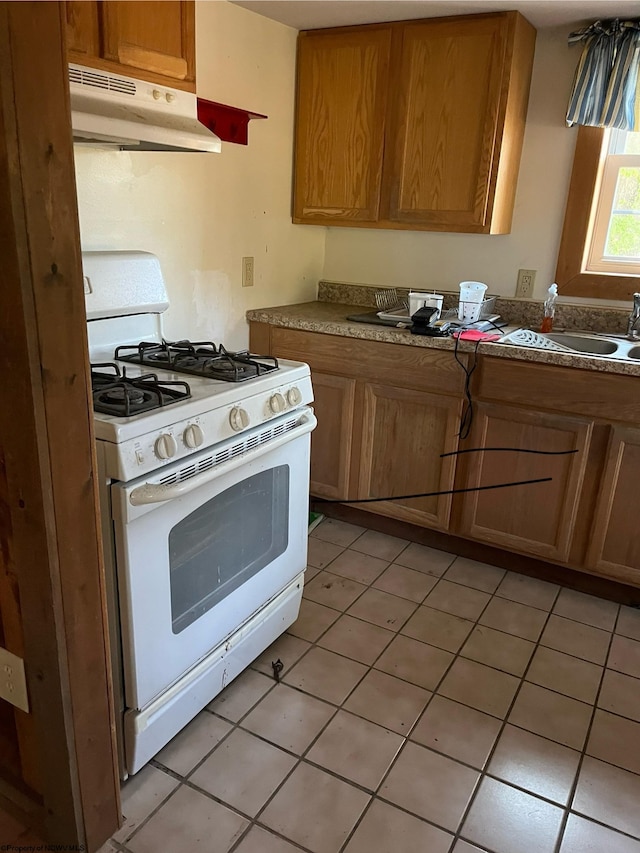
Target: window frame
571,277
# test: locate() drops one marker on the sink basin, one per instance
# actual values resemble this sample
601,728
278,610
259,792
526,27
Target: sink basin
586,343
634,352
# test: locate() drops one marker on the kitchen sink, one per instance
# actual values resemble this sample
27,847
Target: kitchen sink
586,343
577,342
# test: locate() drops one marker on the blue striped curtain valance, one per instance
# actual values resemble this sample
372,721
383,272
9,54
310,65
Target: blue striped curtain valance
606,87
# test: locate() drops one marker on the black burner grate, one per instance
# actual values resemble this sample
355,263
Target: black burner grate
115,393
198,358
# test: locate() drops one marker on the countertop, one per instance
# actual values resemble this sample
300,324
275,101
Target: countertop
330,318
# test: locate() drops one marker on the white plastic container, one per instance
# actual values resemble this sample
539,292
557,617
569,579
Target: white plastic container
419,299
471,298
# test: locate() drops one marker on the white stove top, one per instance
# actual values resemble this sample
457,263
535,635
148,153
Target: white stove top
206,396
125,297
215,411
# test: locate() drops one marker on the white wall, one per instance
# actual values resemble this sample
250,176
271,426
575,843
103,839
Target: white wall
201,213
423,259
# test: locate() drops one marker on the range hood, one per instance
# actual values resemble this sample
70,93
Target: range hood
111,111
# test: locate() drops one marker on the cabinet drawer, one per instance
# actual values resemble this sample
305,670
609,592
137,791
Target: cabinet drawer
395,364
561,389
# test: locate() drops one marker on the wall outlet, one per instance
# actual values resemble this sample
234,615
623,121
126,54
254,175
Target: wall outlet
526,280
247,272
13,684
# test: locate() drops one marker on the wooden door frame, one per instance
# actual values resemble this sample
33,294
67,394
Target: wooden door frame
50,539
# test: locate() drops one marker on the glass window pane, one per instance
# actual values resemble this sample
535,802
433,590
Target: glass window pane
631,143
225,542
623,237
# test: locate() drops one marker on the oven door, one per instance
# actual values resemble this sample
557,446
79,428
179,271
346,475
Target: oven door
205,544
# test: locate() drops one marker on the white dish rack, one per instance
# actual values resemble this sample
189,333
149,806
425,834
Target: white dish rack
401,313
527,338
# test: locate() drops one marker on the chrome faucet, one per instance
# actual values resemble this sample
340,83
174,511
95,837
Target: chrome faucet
632,332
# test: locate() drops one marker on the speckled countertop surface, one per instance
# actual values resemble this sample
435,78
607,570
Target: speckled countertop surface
330,318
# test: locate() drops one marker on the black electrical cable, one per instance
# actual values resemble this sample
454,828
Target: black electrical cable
435,494
467,416
508,450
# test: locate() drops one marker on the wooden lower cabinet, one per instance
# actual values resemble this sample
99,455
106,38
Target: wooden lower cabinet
331,439
387,414
404,434
615,542
535,519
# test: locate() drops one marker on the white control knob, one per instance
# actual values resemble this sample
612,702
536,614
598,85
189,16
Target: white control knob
165,446
157,94
294,396
193,436
238,418
277,404
170,97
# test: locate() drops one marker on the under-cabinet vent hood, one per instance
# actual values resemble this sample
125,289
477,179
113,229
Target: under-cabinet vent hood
109,110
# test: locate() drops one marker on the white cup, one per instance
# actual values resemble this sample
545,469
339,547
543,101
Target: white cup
471,297
418,299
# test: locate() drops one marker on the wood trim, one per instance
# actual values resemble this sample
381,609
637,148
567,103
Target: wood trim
570,277
54,537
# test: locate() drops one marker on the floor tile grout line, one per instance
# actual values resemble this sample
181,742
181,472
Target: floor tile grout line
475,623
370,667
182,780
487,763
303,756
583,751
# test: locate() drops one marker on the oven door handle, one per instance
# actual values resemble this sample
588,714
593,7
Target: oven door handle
152,493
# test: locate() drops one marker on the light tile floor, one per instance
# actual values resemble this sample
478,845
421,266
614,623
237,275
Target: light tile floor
428,704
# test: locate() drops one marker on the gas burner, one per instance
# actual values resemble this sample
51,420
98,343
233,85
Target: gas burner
114,393
200,358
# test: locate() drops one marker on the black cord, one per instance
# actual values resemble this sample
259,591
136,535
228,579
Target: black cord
508,450
434,494
467,415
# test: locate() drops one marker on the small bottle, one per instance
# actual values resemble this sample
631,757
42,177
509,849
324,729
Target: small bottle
549,309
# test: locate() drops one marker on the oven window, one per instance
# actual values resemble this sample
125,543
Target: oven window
226,541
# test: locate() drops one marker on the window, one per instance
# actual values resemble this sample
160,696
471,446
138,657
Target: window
600,249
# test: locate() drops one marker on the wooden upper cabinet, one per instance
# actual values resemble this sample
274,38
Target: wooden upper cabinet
153,41
448,123
615,542
83,32
342,97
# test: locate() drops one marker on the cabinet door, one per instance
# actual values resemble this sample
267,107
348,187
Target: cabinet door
536,519
342,95
404,433
150,36
331,440
615,543
448,101
83,34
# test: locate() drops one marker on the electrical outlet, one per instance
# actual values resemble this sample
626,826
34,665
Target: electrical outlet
247,272
526,280
13,684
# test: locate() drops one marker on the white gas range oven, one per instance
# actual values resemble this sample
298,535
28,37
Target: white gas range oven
203,462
